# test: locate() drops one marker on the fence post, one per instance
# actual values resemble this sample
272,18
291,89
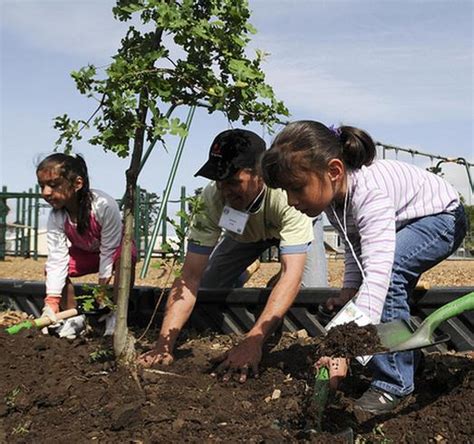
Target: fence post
29,221
17,229
146,222
169,184
137,219
182,222
3,224
37,204
164,221
24,208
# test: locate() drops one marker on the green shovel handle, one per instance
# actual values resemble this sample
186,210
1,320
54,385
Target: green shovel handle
448,311
41,322
14,329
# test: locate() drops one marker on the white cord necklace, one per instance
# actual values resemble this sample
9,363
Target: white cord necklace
343,227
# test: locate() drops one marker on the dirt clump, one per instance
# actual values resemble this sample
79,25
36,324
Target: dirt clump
56,390
350,340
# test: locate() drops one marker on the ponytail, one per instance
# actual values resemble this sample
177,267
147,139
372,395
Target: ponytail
71,167
84,198
307,146
358,148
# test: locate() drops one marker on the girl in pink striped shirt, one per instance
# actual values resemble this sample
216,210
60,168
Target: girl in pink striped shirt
84,235
396,220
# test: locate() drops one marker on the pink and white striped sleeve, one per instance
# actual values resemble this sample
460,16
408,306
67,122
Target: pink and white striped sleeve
374,215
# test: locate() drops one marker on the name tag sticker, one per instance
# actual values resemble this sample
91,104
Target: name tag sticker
233,220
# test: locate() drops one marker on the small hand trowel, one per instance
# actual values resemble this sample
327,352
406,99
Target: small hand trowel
45,321
402,335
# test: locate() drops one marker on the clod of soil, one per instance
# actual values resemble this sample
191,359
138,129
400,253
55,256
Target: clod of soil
56,390
349,340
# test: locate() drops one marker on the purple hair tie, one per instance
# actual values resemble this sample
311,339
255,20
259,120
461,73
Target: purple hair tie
334,130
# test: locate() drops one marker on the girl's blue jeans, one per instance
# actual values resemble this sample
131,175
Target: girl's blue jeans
420,245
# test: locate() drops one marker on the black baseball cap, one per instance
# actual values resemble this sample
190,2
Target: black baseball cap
231,151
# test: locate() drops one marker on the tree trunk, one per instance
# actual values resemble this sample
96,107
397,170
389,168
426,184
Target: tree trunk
124,342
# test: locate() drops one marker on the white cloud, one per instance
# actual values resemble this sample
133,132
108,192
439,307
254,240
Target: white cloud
387,62
84,28
313,92
372,81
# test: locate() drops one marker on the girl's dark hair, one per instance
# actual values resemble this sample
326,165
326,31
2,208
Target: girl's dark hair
72,167
306,145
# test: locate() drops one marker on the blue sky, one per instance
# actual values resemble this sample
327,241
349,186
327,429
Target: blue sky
401,69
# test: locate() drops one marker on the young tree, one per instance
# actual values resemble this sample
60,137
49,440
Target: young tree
186,52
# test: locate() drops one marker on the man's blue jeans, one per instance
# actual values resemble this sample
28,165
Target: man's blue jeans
230,258
420,245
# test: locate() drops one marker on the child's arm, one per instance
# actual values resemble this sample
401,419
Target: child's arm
58,259
352,273
352,278
374,215
108,215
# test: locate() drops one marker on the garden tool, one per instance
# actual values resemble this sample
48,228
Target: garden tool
45,321
320,395
320,399
402,335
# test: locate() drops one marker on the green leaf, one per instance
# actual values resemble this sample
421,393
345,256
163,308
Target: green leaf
84,78
176,53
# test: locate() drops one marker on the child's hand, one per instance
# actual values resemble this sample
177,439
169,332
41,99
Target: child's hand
337,369
49,312
346,294
110,320
102,293
53,303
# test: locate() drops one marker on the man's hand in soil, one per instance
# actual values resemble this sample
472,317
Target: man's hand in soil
239,360
337,367
155,357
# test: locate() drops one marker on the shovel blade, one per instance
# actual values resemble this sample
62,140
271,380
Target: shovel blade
396,336
401,335
394,332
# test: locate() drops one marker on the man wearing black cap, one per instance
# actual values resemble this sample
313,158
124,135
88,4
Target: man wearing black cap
252,218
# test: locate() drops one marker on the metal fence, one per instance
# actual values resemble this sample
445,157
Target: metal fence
23,218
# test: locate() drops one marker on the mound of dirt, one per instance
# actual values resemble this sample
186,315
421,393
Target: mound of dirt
55,390
349,340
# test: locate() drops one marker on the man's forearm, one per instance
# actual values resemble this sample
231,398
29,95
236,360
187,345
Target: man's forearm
178,310
281,298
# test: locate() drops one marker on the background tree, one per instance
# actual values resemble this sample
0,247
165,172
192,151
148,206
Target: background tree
185,52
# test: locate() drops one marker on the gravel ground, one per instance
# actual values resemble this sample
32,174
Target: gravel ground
450,273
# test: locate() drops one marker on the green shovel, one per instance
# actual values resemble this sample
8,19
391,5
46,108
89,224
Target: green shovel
401,335
40,322
45,321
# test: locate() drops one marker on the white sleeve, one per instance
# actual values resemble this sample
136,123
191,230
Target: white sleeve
57,264
108,215
375,219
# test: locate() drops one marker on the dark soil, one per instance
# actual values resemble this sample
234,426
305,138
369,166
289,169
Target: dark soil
55,390
349,340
